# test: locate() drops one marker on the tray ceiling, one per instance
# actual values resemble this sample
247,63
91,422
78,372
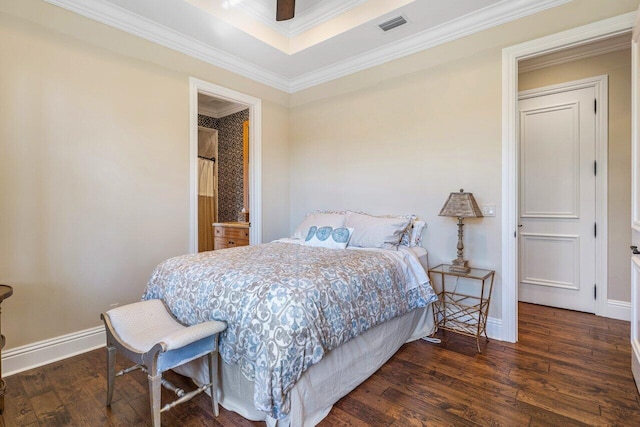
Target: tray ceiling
326,40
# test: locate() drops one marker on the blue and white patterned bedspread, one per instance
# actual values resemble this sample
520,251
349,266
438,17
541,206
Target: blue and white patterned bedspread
286,305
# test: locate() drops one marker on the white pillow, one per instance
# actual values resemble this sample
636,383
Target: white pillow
416,233
374,231
327,237
413,235
333,220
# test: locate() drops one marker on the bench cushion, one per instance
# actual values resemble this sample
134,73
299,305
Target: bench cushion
143,324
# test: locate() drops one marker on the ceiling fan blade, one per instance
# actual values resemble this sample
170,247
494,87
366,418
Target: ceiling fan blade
285,9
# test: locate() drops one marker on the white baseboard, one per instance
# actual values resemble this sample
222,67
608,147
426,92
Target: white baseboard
494,328
620,310
30,356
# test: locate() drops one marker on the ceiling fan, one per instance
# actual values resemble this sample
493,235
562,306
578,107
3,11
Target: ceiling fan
285,9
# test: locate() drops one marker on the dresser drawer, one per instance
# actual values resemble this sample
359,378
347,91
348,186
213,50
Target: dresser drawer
227,242
228,236
231,232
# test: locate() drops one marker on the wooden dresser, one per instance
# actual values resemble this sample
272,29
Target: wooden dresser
230,234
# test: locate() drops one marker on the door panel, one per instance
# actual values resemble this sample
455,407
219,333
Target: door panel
540,250
635,325
550,183
557,199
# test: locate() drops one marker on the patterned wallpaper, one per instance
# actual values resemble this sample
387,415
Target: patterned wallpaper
207,122
230,197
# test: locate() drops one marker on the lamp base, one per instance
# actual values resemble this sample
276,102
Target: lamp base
460,266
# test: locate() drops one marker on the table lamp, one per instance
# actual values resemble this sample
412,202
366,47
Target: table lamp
461,205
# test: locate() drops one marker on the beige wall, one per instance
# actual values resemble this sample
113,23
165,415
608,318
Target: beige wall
94,142
399,137
94,170
402,146
617,66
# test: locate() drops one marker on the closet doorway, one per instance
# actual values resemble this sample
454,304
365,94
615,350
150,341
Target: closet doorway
552,51
207,185
225,157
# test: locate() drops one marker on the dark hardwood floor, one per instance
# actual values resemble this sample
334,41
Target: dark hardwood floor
567,369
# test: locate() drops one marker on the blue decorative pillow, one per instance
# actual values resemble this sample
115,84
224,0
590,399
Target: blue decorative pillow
318,219
328,237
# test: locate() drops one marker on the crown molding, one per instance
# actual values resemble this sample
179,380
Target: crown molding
635,35
117,17
483,19
218,113
582,52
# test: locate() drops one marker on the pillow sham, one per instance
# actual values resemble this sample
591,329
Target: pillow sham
416,233
333,220
328,237
413,235
375,231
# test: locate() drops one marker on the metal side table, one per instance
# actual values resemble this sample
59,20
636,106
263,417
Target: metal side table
463,312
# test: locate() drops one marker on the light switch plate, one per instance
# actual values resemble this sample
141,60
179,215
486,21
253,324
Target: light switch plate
489,209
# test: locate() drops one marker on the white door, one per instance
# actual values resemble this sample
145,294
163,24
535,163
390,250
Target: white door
635,197
557,197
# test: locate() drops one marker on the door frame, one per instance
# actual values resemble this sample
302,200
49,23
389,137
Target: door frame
635,200
600,84
197,86
621,24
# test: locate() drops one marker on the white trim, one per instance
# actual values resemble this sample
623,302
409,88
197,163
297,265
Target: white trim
595,81
41,353
488,17
635,342
579,54
635,190
255,156
122,19
635,34
635,138
620,310
510,57
218,113
635,364
509,193
494,328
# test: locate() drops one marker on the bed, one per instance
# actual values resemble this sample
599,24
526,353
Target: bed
306,322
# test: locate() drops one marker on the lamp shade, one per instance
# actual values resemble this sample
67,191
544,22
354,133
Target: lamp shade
461,205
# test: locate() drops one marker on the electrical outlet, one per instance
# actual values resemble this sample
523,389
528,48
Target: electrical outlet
489,209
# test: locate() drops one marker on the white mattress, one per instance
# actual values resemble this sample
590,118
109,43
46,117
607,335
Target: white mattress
323,384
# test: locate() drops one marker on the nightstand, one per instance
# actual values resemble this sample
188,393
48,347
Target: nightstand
463,305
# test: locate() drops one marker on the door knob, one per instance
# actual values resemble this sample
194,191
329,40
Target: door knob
635,250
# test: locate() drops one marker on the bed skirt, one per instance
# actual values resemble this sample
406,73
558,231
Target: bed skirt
323,384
